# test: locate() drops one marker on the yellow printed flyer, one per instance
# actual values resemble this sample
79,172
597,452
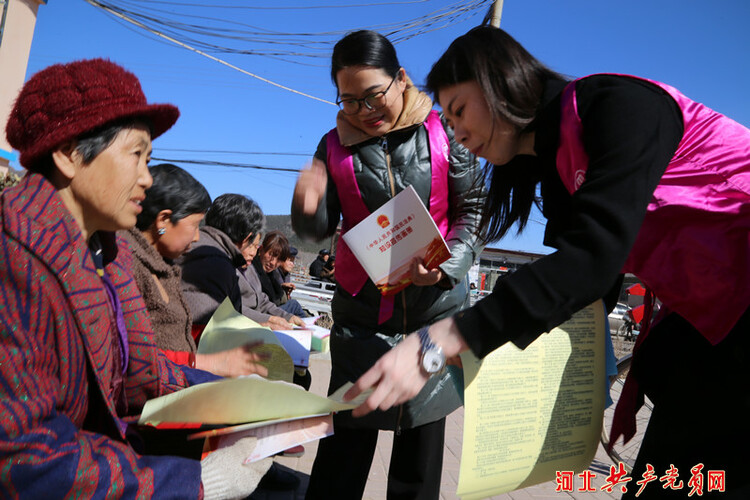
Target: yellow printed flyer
529,413
228,329
388,239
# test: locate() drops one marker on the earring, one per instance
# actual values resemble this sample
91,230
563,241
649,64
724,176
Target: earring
161,231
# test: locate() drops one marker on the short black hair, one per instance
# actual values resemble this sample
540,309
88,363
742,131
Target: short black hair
173,189
364,48
237,216
92,143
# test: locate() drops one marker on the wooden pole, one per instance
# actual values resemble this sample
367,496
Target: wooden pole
497,12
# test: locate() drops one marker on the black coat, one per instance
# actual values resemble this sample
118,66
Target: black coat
316,267
270,286
384,166
410,165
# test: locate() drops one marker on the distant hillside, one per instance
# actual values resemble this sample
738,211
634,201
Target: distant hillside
308,249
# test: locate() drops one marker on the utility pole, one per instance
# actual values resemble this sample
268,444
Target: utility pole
497,12
17,22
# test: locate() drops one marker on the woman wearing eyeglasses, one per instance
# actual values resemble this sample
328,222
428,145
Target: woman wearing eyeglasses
386,138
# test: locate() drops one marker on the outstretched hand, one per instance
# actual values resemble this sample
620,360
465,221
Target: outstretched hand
310,187
277,323
398,376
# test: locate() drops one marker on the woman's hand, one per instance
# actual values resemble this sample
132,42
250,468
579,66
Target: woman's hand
296,320
398,376
288,289
421,276
310,188
234,362
277,323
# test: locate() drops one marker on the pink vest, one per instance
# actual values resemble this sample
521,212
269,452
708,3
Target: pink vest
693,248
349,273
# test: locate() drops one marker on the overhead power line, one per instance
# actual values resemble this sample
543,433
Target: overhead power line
297,7
226,164
186,46
204,35
217,34
221,151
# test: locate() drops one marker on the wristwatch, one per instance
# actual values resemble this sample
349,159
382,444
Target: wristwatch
432,357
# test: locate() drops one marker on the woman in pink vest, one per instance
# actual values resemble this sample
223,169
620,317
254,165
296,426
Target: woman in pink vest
634,177
387,138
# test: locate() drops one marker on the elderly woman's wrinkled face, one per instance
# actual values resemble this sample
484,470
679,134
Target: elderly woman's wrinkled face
108,191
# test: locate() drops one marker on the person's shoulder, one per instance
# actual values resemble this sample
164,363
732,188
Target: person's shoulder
604,79
608,84
444,122
276,274
321,152
605,96
124,252
462,157
316,265
128,236
204,260
250,272
203,252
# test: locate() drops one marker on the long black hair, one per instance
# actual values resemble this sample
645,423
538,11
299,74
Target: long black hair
512,81
173,189
364,48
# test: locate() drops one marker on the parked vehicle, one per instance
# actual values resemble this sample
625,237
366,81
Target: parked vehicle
313,295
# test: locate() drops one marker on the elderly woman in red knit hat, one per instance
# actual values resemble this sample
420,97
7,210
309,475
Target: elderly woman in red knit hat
76,349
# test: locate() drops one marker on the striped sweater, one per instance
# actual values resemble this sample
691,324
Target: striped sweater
60,433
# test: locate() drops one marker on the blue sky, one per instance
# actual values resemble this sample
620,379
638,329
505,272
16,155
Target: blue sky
699,47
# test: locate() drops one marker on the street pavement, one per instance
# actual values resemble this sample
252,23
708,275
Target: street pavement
320,368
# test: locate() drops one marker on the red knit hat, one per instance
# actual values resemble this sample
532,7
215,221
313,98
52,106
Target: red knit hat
64,101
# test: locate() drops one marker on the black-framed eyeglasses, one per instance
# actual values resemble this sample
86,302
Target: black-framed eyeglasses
373,101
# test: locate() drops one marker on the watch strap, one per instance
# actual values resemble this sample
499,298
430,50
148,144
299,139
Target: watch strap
424,339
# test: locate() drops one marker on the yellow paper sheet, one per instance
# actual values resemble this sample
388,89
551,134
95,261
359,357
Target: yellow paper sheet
529,413
237,401
228,329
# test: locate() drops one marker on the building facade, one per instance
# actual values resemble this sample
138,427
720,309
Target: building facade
494,263
17,22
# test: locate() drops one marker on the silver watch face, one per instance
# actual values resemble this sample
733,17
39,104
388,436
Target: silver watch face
433,360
